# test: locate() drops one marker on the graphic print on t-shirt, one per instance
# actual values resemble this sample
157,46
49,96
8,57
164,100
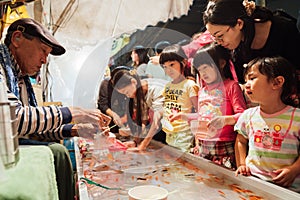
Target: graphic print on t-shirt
269,139
171,99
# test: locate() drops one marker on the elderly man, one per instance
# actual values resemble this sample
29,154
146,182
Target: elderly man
26,48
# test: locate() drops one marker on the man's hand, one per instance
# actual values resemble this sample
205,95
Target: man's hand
95,117
85,130
105,120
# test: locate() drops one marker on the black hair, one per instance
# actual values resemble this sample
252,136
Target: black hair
176,53
121,67
142,54
227,12
118,68
273,67
212,54
158,48
121,79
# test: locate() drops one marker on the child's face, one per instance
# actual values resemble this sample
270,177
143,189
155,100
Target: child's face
207,73
257,86
172,69
129,90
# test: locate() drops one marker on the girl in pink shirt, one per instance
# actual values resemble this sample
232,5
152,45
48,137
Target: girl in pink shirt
220,103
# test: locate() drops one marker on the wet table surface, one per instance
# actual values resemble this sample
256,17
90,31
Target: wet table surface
183,175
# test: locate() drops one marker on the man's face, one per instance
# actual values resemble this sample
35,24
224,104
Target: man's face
31,54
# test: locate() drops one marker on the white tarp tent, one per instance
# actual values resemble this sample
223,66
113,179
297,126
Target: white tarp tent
87,29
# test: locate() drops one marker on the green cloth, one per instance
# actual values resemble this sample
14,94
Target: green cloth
64,171
33,177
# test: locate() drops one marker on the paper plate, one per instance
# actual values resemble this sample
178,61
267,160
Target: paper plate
148,192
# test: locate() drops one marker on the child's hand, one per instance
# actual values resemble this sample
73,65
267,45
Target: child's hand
196,151
217,122
204,102
284,177
130,144
244,170
177,116
133,149
144,144
173,117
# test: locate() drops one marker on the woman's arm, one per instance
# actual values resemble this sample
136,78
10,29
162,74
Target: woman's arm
152,131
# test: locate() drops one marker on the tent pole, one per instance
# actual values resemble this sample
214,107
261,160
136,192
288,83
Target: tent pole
62,15
117,18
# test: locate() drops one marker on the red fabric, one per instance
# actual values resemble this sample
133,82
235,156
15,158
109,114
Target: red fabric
233,72
191,48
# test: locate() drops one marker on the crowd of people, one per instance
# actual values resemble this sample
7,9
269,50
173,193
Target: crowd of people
250,55
212,90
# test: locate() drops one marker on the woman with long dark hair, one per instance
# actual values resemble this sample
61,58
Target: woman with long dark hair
140,59
145,100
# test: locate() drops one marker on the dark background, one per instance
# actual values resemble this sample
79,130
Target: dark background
186,26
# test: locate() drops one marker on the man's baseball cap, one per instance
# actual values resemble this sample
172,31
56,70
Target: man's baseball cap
34,28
